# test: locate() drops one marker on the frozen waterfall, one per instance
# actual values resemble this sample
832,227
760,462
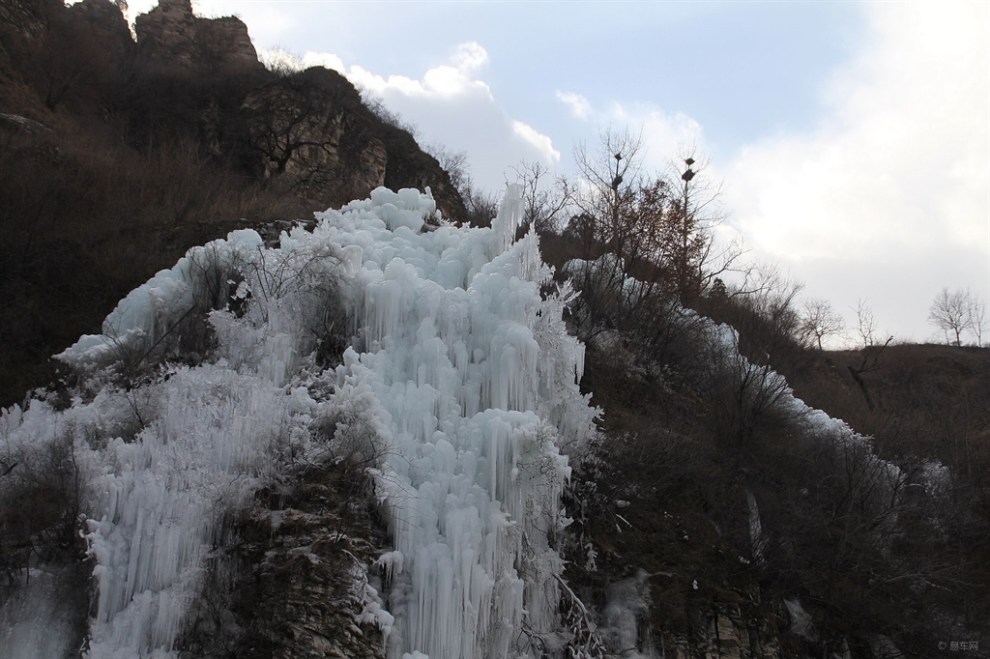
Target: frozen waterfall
459,386
477,380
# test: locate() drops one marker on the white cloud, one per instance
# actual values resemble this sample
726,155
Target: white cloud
896,177
578,104
327,60
469,57
538,140
450,105
667,136
443,82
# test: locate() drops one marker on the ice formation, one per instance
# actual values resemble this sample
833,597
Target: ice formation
459,386
476,381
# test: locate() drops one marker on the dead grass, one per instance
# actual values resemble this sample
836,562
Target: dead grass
86,219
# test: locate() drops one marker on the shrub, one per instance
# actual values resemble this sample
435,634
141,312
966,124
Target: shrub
40,490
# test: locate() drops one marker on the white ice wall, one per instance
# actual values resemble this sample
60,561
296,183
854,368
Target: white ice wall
461,385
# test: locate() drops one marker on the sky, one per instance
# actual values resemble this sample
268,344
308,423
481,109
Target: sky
850,141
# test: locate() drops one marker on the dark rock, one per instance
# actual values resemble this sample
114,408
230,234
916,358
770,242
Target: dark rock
313,130
17,123
171,35
298,576
27,18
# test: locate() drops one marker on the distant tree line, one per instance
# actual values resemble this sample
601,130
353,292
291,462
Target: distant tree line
958,312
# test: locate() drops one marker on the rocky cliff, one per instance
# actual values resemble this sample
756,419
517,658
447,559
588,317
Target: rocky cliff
155,144
27,18
200,78
310,129
172,35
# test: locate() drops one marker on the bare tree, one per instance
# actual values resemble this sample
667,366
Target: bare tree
950,312
871,348
455,163
481,206
820,320
977,317
610,173
744,395
284,120
763,311
660,228
698,258
69,62
377,107
866,323
542,204
296,126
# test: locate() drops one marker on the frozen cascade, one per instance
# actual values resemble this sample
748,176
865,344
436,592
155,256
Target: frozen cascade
477,383
461,382
460,385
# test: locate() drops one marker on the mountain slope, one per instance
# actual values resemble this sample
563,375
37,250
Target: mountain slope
118,155
459,385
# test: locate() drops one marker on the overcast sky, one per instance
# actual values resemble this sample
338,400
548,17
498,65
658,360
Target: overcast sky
852,140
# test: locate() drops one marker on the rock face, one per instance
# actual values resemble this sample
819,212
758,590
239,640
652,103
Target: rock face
27,18
51,54
298,577
104,24
729,634
409,166
313,130
200,79
170,34
182,100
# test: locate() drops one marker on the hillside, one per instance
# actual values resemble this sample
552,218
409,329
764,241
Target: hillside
118,155
263,391
380,432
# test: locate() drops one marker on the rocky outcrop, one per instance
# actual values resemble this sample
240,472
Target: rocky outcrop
27,18
725,632
169,109
171,35
295,585
102,23
410,166
313,130
52,54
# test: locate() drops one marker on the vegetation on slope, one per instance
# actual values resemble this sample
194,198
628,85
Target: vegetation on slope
875,537
117,156
127,162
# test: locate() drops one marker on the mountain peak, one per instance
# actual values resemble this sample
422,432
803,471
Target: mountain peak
172,34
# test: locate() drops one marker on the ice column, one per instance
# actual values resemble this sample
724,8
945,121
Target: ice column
472,474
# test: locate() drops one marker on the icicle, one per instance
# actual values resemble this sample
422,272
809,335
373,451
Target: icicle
456,362
461,382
